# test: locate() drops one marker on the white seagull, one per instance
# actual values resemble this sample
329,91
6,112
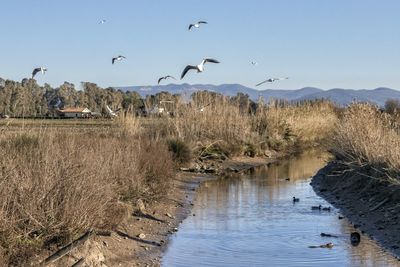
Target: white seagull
113,113
102,21
118,58
164,78
254,63
36,70
199,68
197,25
271,80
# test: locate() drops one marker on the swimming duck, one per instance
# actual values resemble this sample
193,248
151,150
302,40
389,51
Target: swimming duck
316,207
355,238
326,208
296,199
327,245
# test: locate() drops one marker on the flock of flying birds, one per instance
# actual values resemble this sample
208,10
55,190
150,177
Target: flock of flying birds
199,68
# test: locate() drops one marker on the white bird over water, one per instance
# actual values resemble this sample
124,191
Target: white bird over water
102,21
197,25
164,78
271,80
199,68
36,70
118,58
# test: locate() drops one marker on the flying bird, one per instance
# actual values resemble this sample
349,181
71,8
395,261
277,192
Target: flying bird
36,70
102,21
58,103
113,113
199,68
164,78
254,63
118,58
271,80
197,25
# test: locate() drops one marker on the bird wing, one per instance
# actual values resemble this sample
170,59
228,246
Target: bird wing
258,84
280,79
160,79
109,110
117,110
35,71
204,22
211,60
121,57
113,60
190,26
188,67
58,103
169,76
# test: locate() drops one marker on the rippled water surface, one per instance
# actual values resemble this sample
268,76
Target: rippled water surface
251,221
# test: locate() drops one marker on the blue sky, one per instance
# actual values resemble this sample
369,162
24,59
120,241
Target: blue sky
326,44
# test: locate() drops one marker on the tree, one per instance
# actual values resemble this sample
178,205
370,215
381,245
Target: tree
392,106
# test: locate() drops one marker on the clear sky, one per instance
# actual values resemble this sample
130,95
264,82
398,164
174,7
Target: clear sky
321,43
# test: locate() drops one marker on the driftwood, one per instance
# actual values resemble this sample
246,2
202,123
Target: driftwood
65,250
379,204
80,262
103,233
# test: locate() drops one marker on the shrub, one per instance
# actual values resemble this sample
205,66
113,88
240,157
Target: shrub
180,150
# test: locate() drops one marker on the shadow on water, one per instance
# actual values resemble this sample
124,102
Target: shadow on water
251,220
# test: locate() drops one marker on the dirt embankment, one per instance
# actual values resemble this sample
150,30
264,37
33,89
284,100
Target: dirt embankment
366,197
142,238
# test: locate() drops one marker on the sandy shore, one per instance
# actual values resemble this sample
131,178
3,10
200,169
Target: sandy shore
368,199
142,238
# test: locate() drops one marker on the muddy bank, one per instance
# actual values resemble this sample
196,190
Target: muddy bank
366,197
143,236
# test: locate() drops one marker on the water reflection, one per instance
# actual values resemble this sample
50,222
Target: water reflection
251,220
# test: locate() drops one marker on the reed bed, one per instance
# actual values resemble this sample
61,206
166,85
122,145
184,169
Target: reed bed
239,125
56,184
367,135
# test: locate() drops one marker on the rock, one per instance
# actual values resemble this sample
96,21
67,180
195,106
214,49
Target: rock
141,236
175,229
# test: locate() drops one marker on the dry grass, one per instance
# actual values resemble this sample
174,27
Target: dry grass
366,135
56,184
279,128
59,180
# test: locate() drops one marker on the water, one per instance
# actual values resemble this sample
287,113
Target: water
251,221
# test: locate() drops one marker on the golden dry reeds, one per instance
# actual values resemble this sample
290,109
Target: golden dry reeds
367,135
239,125
57,183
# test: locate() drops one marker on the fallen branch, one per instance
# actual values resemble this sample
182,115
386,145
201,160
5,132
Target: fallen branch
79,262
65,250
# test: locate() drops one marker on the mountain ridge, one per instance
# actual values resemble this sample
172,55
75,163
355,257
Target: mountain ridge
338,95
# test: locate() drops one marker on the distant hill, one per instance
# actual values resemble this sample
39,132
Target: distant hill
339,96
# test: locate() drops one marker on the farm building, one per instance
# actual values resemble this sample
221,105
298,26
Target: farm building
74,113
